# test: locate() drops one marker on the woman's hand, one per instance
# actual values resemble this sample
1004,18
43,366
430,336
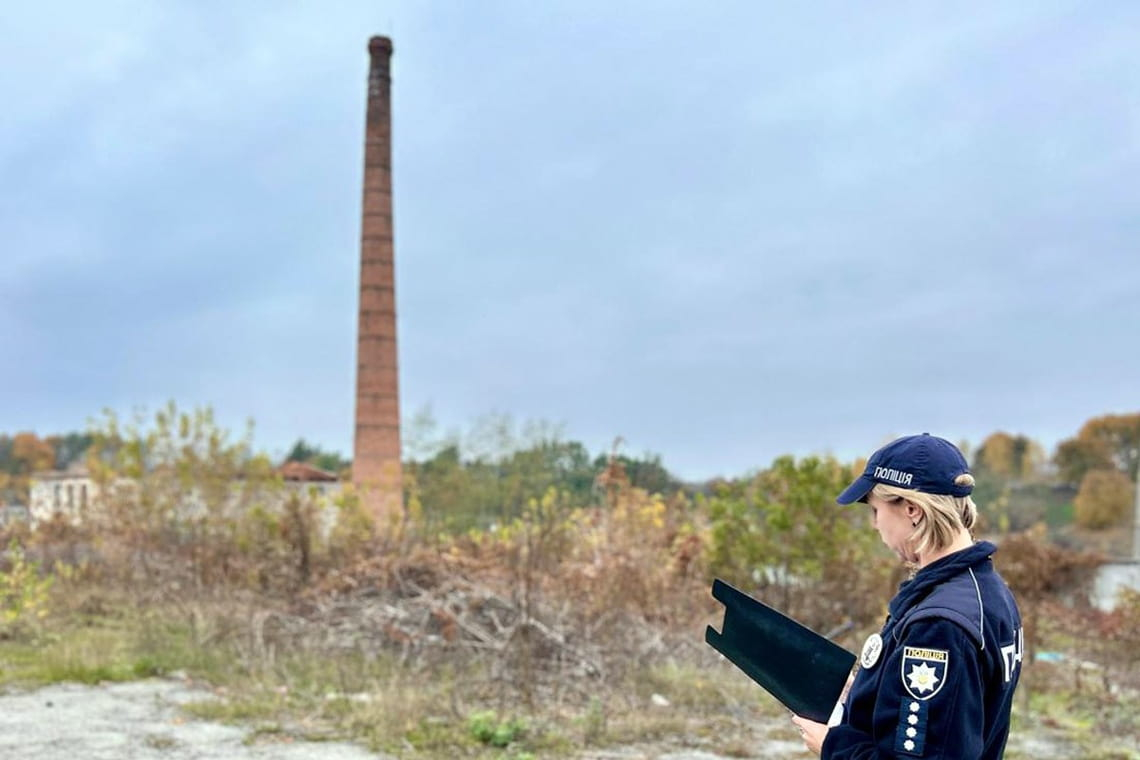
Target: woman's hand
812,733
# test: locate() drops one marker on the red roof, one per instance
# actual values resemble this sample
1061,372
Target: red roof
300,471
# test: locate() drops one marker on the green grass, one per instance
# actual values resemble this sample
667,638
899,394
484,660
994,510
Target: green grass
95,650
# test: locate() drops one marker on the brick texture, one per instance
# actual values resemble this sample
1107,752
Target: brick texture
376,468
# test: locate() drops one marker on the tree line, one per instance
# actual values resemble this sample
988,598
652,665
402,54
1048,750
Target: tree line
1091,475
487,475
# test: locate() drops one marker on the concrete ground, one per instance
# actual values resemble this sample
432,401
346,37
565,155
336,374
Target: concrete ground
141,720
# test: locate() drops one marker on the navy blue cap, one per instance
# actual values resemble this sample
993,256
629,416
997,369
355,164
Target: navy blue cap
924,463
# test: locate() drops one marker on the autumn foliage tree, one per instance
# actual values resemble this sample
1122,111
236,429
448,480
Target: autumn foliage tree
1104,499
1009,457
22,455
1108,442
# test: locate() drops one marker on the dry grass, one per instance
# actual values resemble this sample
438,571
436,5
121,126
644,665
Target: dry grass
555,634
429,653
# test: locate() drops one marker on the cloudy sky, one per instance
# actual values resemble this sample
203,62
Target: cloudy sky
722,231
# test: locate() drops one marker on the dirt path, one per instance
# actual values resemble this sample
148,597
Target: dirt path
141,720
136,721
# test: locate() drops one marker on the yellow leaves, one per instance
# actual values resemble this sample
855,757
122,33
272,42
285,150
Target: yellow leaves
1104,499
24,592
31,453
1010,457
1106,442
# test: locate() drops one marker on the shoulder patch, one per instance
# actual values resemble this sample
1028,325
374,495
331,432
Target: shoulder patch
924,671
872,648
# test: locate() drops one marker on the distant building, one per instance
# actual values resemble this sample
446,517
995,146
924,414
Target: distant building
1111,579
72,494
303,475
65,493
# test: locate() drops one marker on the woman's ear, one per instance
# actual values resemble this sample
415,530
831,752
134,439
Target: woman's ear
913,511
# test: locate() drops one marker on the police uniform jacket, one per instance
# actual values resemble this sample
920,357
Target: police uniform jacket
938,680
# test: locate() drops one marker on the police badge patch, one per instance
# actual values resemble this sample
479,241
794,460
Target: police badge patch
872,648
924,671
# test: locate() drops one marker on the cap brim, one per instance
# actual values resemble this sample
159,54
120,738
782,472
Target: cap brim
856,491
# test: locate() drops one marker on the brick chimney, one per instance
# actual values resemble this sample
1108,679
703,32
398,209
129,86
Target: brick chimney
376,469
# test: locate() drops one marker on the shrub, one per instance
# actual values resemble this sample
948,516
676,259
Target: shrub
1103,500
24,593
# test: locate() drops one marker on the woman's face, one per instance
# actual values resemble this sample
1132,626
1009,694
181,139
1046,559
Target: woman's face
894,519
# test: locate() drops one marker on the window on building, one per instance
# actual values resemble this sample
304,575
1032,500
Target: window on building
83,496
56,493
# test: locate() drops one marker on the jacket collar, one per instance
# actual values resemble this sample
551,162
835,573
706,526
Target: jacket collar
937,572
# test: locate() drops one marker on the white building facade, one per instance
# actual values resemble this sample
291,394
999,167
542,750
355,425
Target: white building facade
72,495
62,493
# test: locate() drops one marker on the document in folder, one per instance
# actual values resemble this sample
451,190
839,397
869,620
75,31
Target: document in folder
796,665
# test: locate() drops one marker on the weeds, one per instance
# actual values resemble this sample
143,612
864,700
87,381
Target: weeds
485,727
567,628
24,594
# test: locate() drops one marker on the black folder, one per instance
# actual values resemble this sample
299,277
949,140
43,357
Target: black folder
802,669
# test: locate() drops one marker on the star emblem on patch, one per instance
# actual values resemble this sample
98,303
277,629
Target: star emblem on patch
923,677
924,671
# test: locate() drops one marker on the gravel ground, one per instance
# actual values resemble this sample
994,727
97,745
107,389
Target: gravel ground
141,720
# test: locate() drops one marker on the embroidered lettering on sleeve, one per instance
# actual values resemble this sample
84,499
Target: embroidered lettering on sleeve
1011,655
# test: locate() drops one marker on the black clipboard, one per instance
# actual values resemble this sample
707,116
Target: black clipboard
802,669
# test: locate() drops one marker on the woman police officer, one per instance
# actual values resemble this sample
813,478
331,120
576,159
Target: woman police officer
938,680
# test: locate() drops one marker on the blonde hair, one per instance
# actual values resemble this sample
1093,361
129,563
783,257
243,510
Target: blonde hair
943,516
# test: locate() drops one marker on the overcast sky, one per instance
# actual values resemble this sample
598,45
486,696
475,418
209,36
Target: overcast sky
723,231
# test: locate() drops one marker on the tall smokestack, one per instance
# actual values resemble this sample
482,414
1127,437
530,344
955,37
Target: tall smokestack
376,467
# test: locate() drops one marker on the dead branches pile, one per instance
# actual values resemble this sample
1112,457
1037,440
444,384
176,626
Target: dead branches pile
432,610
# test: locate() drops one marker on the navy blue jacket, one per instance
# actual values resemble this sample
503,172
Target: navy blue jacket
942,684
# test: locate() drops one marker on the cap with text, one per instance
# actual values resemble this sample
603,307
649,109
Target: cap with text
924,463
